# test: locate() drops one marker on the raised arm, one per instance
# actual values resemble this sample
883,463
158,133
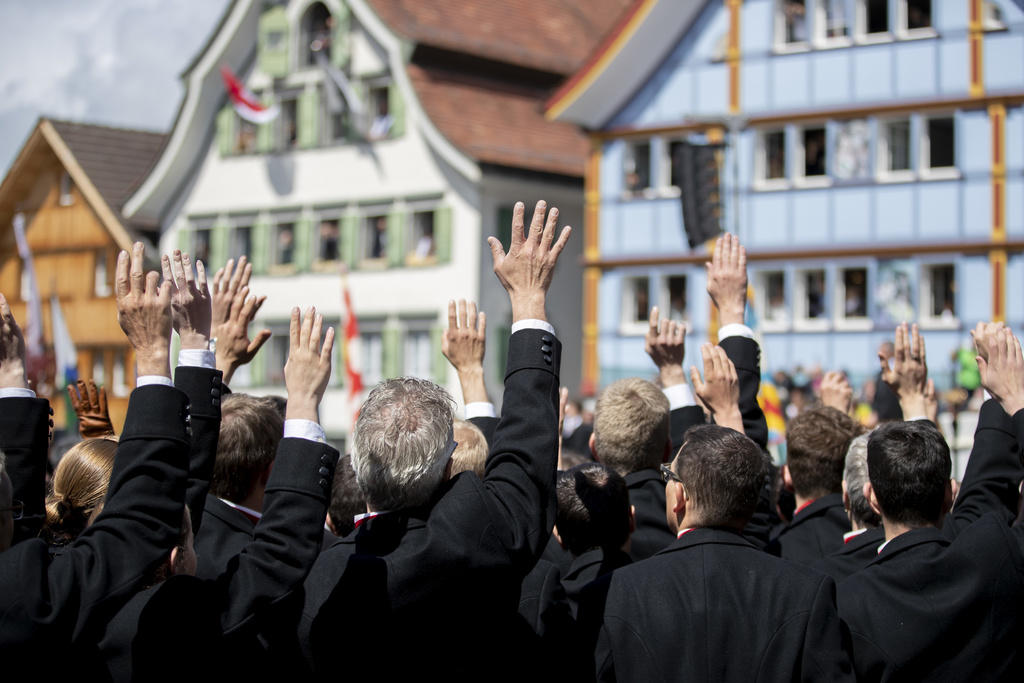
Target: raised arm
233,310
720,388
463,345
90,405
908,376
665,343
836,392
727,287
520,469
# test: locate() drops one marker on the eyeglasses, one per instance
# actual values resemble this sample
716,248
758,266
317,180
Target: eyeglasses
17,509
668,475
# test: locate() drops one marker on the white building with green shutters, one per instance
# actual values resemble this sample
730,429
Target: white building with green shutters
403,199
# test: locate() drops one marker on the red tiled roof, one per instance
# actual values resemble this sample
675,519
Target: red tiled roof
498,124
547,35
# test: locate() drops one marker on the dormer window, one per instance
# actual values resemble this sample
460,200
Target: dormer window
315,36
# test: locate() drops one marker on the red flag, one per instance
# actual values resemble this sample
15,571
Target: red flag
246,103
350,345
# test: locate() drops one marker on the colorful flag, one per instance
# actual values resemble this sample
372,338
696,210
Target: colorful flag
245,102
63,347
350,348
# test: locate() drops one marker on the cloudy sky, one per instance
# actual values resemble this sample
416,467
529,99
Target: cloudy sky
114,62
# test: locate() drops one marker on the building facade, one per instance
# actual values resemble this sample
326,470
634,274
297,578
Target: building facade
873,167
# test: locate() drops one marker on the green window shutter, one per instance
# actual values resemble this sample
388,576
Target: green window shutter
391,352
273,57
396,107
185,240
440,363
443,234
303,255
226,130
265,131
260,255
350,240
396,238
258,370
309,118
218,247
341,39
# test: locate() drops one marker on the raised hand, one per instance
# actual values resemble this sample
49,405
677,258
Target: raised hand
719,391
1002,373
463,345
908,377
984,334
190,300
233,312
309,365
12,350
727,279
665,343
90,404
525,271
144,312
836,392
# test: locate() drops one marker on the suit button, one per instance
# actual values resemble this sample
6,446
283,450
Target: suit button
215,402
547,359
324,484
215,392
325,460
545,349
324,472
546,339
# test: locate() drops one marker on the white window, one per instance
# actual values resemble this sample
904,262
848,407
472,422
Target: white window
673,297
99,367
791,24
371,348
938,295
417,349
894,150
66,187
201,245
328,240
636,304
938,147
771,158
853,150
120,383
809,305
637,167
812,164
283,251
831,26
375,237
873,20
770,299
240,243
851,300
422,247
101,275
915,18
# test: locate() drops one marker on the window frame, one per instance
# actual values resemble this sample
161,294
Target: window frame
925,300
860,34
802,322
239,223
761,180
371,327
904,32
418,325
819,27
411,258
925,170
779,43
882,172
628,325
276,222
800,179
324,216
762,304
365,217
840,319
665,296
629,166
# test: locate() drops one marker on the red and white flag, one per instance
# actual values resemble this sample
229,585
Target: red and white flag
350,347
246,104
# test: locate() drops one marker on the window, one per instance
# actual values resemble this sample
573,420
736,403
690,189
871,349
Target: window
636,303
790,23
277,354
851,301
241,242
201,245
915,15
284,244
380,111
66,186
938,294
771,156
815,160
853,150
120,383
873,19
992,16
245,135
938,147
422,245
328,239
101,275
638,167
770,299
809,299
335,124
371,349
418,350
375,237
99,368
315,33
674,297
675,166
288,127
894,147
830,23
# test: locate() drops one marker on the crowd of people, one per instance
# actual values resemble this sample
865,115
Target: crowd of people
219,534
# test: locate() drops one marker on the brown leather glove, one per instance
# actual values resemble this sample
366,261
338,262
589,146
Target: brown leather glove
90,404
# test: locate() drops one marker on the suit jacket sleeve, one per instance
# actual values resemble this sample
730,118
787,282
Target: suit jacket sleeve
746,356
487,425
520,469
826,640
287,539
993,471
204,388
110,560
24,439
679,421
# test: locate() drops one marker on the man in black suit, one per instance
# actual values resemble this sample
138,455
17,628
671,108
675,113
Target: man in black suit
47,603
816,445
434,558
711,606
944,604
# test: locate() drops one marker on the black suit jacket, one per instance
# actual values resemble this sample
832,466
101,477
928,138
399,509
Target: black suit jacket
225,533
406,583
587,568
856,554
67,599
647,496
948,605
712,607
816,531
24,428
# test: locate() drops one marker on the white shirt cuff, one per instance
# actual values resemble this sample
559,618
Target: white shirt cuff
679,396
17,392
480,409
197,358
304,429
735,330
916,417
143,380
532,324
